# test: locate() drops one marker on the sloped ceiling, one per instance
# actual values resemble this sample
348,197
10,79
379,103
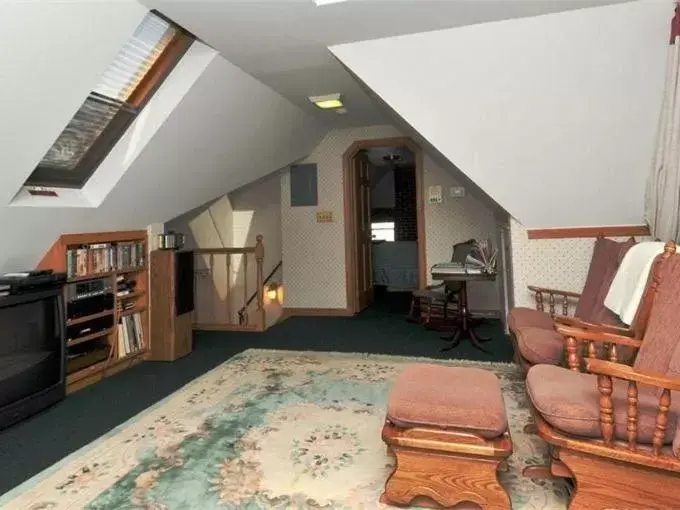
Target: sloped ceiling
227,129
284,43
553,116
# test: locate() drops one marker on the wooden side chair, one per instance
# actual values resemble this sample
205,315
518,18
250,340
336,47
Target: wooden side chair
533,333
614,428
435,301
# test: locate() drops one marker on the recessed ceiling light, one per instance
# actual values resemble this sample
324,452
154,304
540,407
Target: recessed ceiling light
326,2
327,102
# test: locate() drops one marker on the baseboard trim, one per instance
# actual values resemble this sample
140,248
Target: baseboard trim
571,232
317,312
253,328
343,312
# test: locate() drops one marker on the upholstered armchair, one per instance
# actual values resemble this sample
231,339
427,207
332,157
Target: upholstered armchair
614,428
533,332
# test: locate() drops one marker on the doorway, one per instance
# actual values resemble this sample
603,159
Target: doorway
384,219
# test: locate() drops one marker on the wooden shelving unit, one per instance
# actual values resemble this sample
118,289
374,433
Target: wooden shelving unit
56,259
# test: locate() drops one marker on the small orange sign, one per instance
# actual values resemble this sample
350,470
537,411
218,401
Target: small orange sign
324,217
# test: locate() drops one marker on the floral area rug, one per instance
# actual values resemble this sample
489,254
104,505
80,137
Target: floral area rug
267,430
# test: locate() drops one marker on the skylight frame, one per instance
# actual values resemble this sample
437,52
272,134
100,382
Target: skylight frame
57,177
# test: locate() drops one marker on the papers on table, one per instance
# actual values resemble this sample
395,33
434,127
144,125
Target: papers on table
484,257
482,260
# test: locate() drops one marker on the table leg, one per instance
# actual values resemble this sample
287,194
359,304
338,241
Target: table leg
475,341
465,325
455,339
461,325
477,337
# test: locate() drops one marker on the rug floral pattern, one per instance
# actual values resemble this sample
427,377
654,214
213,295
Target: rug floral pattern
266,430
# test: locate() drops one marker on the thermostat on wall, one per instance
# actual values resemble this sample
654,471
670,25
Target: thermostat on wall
457,191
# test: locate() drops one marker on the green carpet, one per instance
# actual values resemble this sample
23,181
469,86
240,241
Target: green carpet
267,430
37,443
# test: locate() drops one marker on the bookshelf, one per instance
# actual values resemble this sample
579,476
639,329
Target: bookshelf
107,302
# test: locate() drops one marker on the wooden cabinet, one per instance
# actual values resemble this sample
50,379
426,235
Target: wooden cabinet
172,298
117,260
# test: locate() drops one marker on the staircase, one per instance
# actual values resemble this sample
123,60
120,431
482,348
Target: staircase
229,288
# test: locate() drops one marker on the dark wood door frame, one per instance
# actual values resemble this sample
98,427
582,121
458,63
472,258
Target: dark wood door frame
349,200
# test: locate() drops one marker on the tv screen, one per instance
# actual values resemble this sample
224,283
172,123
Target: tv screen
31,349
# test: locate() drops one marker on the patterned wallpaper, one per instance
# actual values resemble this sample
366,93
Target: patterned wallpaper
314,253
456,220
555,263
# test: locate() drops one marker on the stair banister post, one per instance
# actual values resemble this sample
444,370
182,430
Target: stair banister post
259,259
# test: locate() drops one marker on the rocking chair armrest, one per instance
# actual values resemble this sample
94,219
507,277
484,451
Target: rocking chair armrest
574,322
545,290
597,336
601,367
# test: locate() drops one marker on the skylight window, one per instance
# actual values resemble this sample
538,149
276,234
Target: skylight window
125,87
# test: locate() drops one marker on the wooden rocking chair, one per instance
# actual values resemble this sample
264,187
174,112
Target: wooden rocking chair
614,428
533,333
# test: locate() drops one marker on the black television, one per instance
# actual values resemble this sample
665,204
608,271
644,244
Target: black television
32,353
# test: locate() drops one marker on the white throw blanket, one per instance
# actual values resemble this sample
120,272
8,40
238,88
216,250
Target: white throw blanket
630,280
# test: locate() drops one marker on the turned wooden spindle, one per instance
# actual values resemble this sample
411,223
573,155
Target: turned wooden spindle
661,421
244,310
551,301
631,425
573,358
228,295
592,349
613,353
539,301
604,384
259,260
565,306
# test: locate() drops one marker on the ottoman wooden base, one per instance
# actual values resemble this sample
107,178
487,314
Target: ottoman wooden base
442,468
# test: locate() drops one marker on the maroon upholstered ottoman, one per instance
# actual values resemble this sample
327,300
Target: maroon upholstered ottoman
448,430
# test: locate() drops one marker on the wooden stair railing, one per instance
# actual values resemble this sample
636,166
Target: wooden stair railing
243,312
243,323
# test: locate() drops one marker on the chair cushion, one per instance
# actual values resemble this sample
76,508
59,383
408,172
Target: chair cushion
521,317
427,395
570,401
540,345
607,257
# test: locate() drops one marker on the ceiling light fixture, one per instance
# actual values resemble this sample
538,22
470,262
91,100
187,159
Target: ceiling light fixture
327,102
392,156
319,3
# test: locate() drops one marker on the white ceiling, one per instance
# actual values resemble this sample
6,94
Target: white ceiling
284,43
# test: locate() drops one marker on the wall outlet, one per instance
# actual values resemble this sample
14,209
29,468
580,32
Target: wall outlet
457,191
324,217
